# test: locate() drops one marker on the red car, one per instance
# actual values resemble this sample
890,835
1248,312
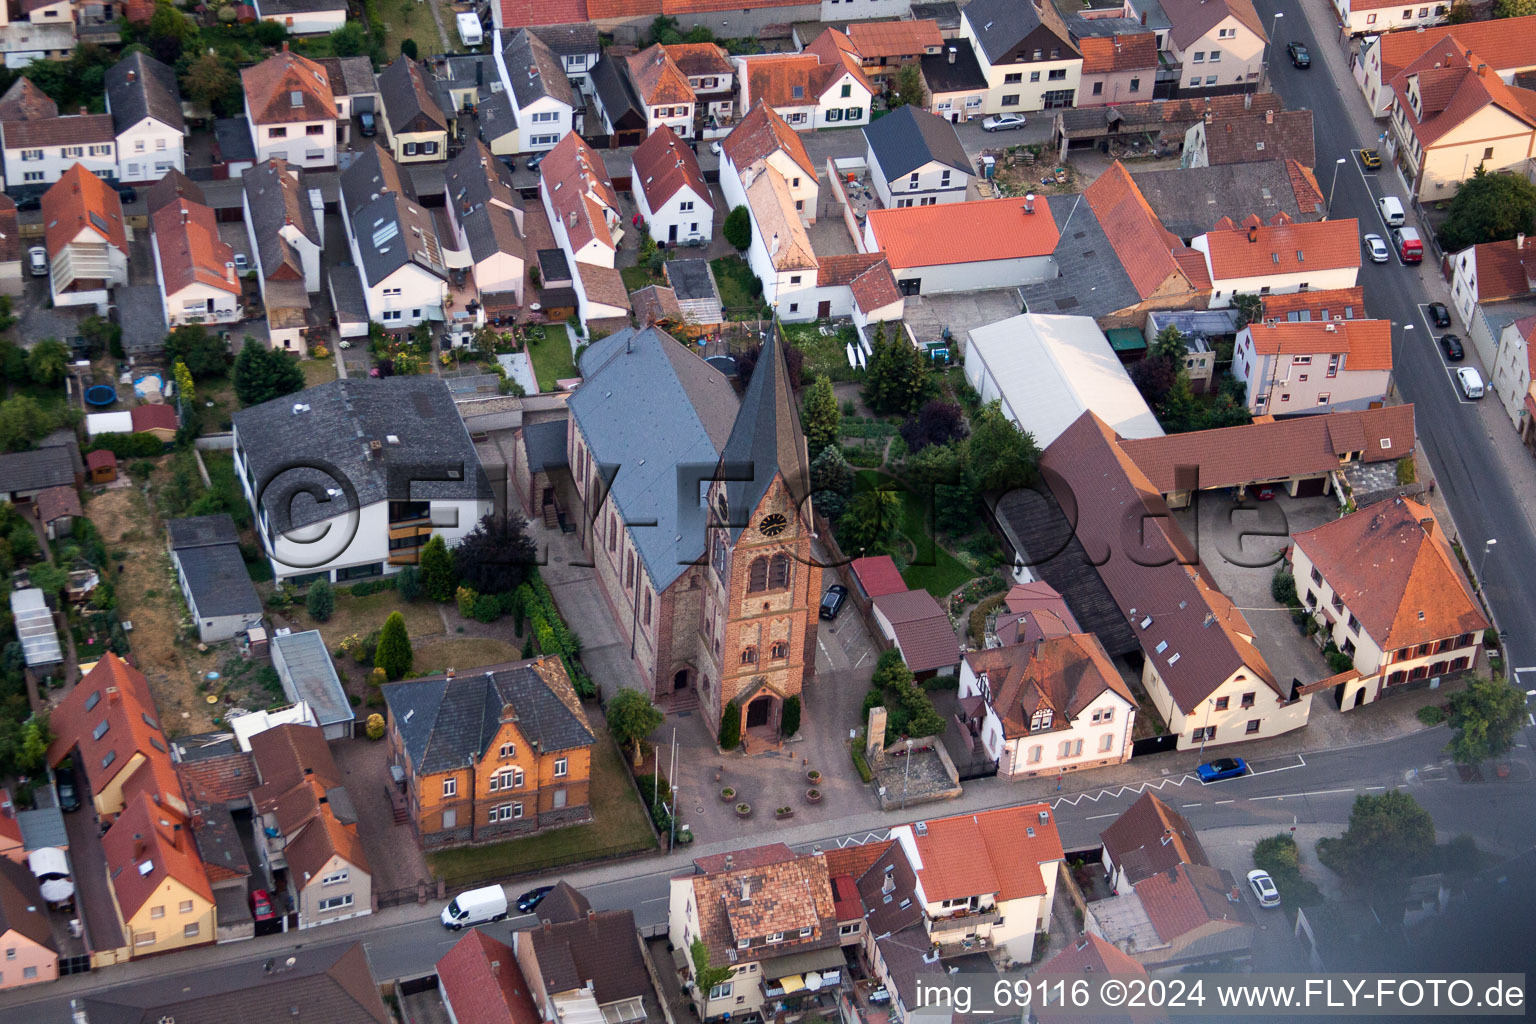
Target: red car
261,905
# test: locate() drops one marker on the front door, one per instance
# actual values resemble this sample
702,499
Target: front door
672,233
823,310
758,710
911,285
680,680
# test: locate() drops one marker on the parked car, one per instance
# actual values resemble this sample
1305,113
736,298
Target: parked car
1377,247
1371,159
37,260
832,601
127,193
261,905
1299,55
242,262
1471,382
532,898
1222,768
475,906
1264,888
1450,344
69,793
1439,314
535,160
1392,211
1003,122
31,201
367,124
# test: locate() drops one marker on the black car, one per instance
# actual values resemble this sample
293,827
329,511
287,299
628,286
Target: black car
1439,314
532,898
64,782
1299,55
367,124
1451,345
127,193
535,160
832,601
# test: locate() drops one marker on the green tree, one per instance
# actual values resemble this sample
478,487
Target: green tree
822,418
631,718
1002,457
891,671
1180,411
262,374
1389,836
168,22
48,361
1170,343
13,362
900,377
437,570
394,654
1489,207
102,335
351,40
497,556
212,81
705,976
909,88
1486,717
789,722
871,524
1514,8
1250,308
47,577
664,31
22,421
203,351
320,602
730,726
1460,14
831,483
408,47
408,583
737,228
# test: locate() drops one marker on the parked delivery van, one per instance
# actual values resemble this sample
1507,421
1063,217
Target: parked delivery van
476,907
1391,211
1409,246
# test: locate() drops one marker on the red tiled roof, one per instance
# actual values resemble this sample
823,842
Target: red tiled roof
1061,674
10,229
845,898
657,79
664,164
923,630
24,101
80,201
516,14
855,860
700,60
973,232
147,845
191,251
76,129
1144,247
1092,955
1133,51
1192,19
1304,186
270,88
1506,44
219,779
877,574
1505,270
1034,610
1148,837
1368,343
110,716
874,39
578,185
1185,898
1330,301
154,417
100,459
868,274
1452,88
482,981
997,852
751,857
759,134
1287,249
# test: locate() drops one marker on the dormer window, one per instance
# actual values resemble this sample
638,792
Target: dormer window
296,98
1040,719
775,937
805,933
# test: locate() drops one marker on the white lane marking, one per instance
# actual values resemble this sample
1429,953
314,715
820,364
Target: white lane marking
1315,792
1220,802
1096,817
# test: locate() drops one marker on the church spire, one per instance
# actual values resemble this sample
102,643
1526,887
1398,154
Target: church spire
766,439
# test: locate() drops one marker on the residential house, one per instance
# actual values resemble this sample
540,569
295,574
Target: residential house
336,423
1117,68
415,127
480,983
24,101
823,86
47,33
1033,610
486,213
1026,52
308,677
583,211
712,77
205,552
286,239
394,243
1187,915
159,887
1452,115
356,89
762,135
985,881
1250,136
670,190
1089,959
1372,17
1323,304
1300,368
586,966
860,286
954,82
27,474
85,238
1491,287
31,954
1220,44
884,47
303,17
41,152
575,43
194,267
490,755
308,828
1508,45
1512,375
1202,330
1047,707
1209,682
145,105
915,159
1264,259
535,81
780,254
1048,369
914,624
663,90
57,508
624,118
11,281
893,942
1148,838
291,109
1189,201
1388,590
961,247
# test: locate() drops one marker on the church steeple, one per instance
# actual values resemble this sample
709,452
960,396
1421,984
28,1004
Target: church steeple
766,439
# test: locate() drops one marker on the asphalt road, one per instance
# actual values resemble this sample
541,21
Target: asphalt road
1467,470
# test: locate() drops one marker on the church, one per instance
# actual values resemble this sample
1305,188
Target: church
695,512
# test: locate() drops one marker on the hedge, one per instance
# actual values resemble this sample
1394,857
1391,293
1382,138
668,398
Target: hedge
128,446
551,633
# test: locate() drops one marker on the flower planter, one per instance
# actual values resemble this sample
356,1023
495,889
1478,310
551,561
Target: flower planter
743,810
784,812
813,777
727,795
813,796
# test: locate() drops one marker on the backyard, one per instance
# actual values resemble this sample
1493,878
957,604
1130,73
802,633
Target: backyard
551,356
740,294
406,19
825,348
929,566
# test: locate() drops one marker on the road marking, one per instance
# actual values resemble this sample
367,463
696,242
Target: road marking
1096,817
1220,802
1137,789
1528,668
1315,792
658,899
1192,805
1375,787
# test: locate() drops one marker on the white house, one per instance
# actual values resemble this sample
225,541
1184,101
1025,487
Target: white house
543,104
1297,368
86,239
823,86
583,211
1491,284
1056,704
378,521
1048,369
193,266
663,90
205,552
576,44
712,77
486,213
1512,376
1219,43
1363,17
1026,52
670,190
286,239
291,108
1264,259
145,105
781,254
39,152
304,17
394,243
1507,45
965,247
916,159
762,135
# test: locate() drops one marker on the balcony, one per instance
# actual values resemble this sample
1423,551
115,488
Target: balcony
963,947
964,918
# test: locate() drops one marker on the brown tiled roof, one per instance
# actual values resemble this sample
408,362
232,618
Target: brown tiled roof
877,574
482,981
891,869
759,134
56,503
219,779
1144,247
854,860
601,948
655,304
1133,51
288,755
1192,19
24,101
1253,136
700,60
147,845
603,284
751,857
100,459
324,838
972,232
1451,91
997,852
173,185
1286,249
1332,301
191,251
868,274
1505,44
270,88
516,14
773,78
1395,571
1185,898
1032,611
663,165
1368,343
1505,270
604,10
119,699
564,902
1063,674
1304,186
874,39
657,79
754,902
10,230
154,417
74,130
578,183
773,208
1148,837
922,628
21,906
1092,955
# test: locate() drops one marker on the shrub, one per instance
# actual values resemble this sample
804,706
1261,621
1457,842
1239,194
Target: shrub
320,602
394,654
466,598
1338,661
860,762
487,608
408,583
1431,714
377,677
789,723
730,726
941,683
1282,587
437,569
375,726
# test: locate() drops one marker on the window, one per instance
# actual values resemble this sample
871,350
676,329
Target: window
1105,742
159,144
1206,734
1210,79
1034,754
1317,577
944,179
185,907
1248,699
1322,399
507,778
805,933
335,878
1370,19
1013,79
80,150
1034,76
834,115
10,954
1215,56
506,812
1488,153
507,750
1104,715
544,117
1098,88
29,972
157,912
32,176
542,140
101,151
1040,719
450,787
723,990
144,938
389,292
1198,58
31,154
847,91
1222,703
562,767
1353,624
336,902
391,314
647,615
1226,33
280,132
778,650
1135,85
749,655
1407,13
1010,100
1070,748
685,207
1038,55
854,113
1057,75
190,931
794,279
775,937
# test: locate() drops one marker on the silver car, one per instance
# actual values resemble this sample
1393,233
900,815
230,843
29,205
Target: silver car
1003,122
1377,247
1263,888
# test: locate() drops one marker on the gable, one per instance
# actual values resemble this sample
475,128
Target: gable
1484,127
1040,38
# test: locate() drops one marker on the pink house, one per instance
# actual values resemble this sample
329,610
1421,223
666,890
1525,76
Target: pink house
26,938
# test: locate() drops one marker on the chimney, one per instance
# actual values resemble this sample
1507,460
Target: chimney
1428,526
132,76
375,449
1253,234
1482,71
1269,116
1029,202
448,673
1143,18
773,247
113,696
730,859
1209,117
591,914
953,52
1247,101
84,111
1520,241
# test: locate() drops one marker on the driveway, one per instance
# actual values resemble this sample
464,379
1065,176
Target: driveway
393,851
929,315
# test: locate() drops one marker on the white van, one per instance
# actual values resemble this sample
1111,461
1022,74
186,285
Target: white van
1391,211
470,29
475,907
1471,381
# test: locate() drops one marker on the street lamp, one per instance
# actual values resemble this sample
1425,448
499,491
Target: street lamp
1273,23
1487,546
1336,165
1205,732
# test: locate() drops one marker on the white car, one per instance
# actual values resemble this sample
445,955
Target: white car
1263,888
37,259
1003,122
1471,381
1377,247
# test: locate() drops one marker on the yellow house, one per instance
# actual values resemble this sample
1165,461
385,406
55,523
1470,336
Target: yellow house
414,123
159,886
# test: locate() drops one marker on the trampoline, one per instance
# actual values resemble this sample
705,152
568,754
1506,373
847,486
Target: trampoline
100,395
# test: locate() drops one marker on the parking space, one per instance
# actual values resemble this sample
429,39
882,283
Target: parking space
1434,338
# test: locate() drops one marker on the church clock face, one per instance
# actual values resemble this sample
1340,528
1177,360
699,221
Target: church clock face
772,524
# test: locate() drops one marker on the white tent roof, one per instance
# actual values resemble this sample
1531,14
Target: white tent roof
1051,369
109,423
34,627
246,726
49,860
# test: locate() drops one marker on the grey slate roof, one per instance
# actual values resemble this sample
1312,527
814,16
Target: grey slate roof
947,14
765,440
374,172
553,266
347,297
218,579
908,138
1190,200
1092,280
1000,25
476,177
409,102
433,459
275,193
233,137
686,421
494,111
569,40
308,674
412,240
616,92
281,7
545,442
152,92
141,313
964,75
446,723
533,71
491,230
691,279
202,531
350,76
36,469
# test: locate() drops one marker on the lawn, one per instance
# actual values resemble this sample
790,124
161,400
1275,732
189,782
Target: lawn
932,567
407,19
462,652
825,354
620,826
318,371
363,615
551,357
738,292
638,277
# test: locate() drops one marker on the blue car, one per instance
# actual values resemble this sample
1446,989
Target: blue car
1225,768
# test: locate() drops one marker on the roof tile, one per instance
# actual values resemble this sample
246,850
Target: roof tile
1265,251
1368,343
971,232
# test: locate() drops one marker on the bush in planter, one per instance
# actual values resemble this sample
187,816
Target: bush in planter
375,727
727,794
730,726
789,722
813,775
743,809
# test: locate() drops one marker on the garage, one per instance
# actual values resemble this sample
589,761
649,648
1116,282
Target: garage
1312,487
